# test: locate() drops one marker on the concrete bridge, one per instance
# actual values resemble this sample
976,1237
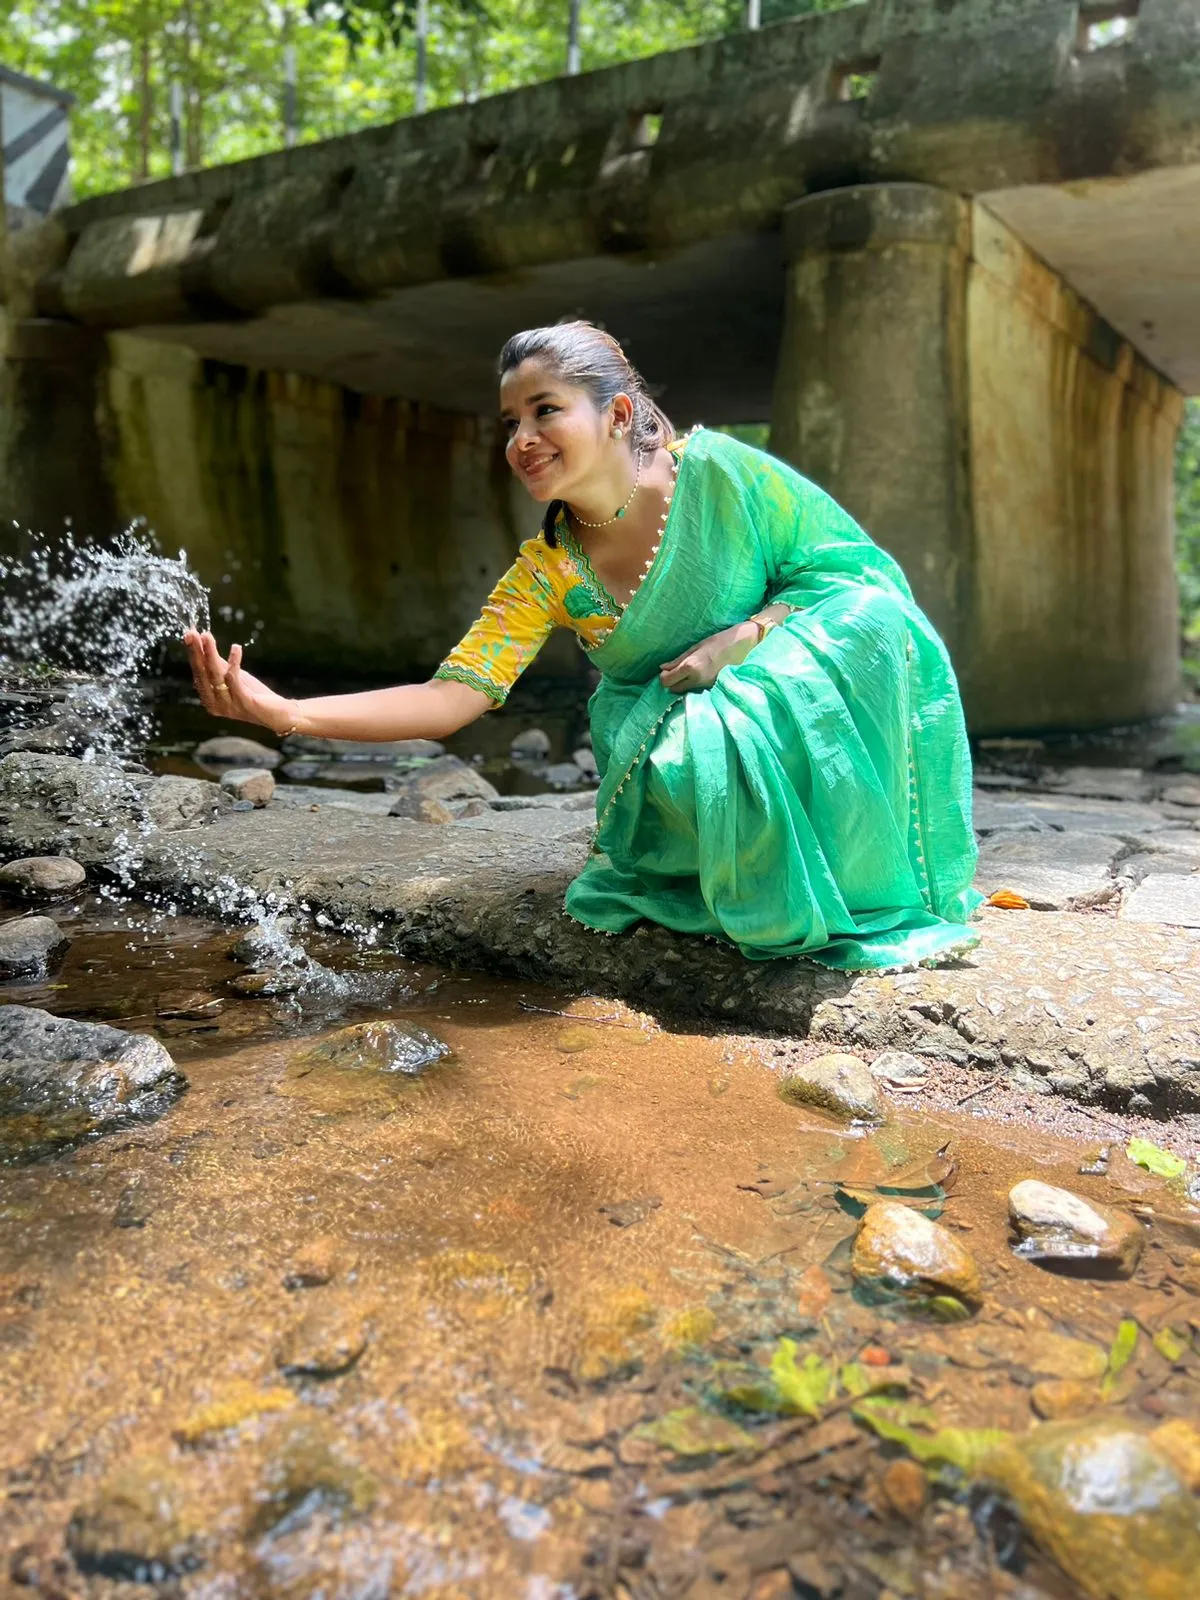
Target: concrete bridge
950,249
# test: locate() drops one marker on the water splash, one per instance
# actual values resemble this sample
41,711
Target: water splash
82,623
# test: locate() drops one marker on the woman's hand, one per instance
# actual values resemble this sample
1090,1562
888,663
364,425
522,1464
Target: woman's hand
227,691
697,668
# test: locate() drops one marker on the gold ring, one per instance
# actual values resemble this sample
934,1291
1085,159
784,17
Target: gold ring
222,688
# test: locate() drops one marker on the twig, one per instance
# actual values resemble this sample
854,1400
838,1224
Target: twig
982,1089
571,1016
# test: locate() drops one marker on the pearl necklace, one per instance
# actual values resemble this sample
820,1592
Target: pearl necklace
617,515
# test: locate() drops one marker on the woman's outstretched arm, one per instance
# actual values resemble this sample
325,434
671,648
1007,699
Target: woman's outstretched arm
410,711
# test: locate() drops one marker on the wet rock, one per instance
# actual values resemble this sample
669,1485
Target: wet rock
36,876
1057,1399
901,1068
447,779
1182,793
55,804
1039,1351
325,1343
306,1469
904,1484
249,783
531,745
564,775
386,1047
61,1080
586,762
317,1262
134,1208
265,943
421,808
231,750
347,751
173,802
837,1083
139,1525
68,735
272,981
304,796
898,1246
28,943
625,1213
1107,1502
1059,1229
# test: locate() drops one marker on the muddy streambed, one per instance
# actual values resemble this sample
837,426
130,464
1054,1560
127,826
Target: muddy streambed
569,1312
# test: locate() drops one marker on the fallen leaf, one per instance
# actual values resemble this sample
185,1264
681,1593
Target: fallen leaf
805,1388
963,1448
1122,1350
1008,900
1162,1163
690,1431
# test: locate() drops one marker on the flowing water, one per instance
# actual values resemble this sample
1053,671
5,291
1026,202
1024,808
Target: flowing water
430,1285
341,1331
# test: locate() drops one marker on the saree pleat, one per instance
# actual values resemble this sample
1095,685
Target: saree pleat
815,800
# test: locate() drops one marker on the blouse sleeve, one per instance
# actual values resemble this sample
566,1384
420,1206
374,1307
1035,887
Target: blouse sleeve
515,623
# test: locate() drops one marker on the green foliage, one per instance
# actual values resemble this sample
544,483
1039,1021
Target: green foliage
354,58
1187,516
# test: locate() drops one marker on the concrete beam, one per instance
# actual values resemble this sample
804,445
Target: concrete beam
972,96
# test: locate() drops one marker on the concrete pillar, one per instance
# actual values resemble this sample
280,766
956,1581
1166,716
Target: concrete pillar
51,452
999,438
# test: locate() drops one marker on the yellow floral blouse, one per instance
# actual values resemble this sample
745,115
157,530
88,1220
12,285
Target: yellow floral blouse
547,587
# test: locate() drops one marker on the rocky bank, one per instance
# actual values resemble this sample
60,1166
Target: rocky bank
1093,992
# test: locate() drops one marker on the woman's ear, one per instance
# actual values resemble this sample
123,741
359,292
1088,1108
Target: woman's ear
622,412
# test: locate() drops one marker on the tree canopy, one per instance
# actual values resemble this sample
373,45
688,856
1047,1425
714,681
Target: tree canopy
355,63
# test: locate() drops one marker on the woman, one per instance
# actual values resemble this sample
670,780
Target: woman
783,757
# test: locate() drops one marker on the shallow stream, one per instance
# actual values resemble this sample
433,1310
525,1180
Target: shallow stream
493,1328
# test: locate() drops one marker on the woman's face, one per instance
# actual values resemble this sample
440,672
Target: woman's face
555,434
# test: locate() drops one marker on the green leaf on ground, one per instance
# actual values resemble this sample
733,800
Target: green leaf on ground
962,1448
693,1432
1170,1346
805,1388
1119,1355
1162,1163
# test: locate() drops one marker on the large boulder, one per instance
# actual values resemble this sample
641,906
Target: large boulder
62,1080
52,804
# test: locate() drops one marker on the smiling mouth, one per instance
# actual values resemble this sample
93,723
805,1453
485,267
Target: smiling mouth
531,469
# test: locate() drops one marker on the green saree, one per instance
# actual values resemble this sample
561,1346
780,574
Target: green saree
816,800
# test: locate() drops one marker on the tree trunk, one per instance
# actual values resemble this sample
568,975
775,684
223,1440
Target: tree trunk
141,170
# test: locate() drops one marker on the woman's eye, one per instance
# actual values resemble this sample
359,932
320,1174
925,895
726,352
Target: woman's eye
546,410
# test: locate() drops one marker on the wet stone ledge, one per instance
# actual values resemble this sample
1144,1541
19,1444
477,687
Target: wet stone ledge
1087,1005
